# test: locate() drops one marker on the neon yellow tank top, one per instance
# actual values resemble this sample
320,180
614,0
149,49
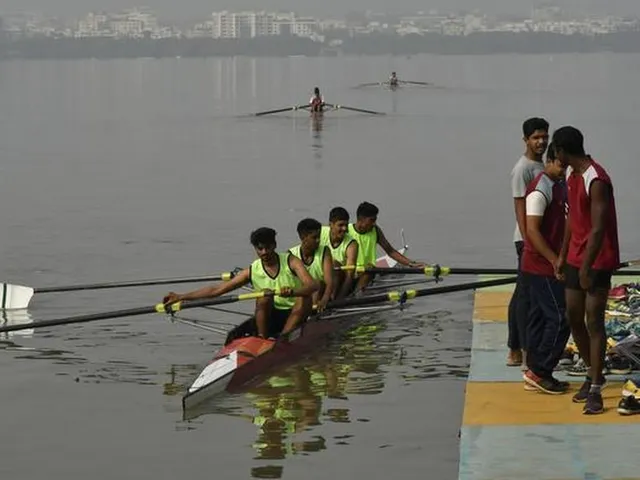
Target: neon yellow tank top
315,268
261,280
339,253
367,243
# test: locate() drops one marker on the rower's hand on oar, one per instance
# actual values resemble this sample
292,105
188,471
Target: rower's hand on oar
418,264
322,304
170,298
286,292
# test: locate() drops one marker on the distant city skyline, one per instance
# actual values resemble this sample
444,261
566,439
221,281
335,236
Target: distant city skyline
189,8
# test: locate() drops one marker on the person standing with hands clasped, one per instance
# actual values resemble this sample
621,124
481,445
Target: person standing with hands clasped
547,330
590,254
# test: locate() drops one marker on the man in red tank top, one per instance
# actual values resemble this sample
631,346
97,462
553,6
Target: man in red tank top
590,254
547,327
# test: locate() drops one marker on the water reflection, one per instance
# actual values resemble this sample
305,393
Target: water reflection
317,125
306,407
14,317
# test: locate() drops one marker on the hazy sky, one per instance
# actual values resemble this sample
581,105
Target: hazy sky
190,8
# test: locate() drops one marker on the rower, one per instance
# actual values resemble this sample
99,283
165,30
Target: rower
317,101
368,235
393,80
277,314
317,260
343,247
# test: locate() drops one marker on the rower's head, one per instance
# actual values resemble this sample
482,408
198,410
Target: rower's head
339,221
553,166
366,216
535,133
264,242
568,145
316,92
309,233
393,74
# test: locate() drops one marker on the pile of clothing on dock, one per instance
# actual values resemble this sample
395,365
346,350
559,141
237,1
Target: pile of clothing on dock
623,345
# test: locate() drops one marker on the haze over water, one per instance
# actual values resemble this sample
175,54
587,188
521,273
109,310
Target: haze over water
131,169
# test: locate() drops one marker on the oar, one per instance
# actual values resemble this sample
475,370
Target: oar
280,110
371,84
397,296
437,270
13,297
361,110
130,312
416,83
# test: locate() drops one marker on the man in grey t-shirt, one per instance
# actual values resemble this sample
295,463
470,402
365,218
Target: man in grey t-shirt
536,138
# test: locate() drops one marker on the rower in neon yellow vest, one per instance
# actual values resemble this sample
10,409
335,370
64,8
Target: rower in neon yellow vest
317,260
272,271
369,235
343,247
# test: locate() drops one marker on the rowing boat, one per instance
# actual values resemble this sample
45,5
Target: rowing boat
245,356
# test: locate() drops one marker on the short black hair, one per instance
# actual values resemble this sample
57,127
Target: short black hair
367,210
532,124
308,225
263,236
551,152
569,139
338,213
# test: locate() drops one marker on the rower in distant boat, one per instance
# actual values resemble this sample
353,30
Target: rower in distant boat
274,315
393,80
368,235
343,247
317,260
316,102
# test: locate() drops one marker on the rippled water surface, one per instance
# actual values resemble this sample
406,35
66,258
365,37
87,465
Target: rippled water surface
116,170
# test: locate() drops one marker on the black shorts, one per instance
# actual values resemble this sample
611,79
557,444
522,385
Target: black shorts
600,279
277,321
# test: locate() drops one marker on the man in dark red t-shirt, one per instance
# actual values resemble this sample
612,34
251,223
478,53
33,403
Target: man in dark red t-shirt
590,254
547,330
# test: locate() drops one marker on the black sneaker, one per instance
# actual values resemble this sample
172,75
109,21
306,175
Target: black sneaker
629,406
594,404
544,384
561,384
618,365
583,393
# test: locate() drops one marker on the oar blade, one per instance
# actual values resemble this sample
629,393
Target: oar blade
15,297
359,110
281,110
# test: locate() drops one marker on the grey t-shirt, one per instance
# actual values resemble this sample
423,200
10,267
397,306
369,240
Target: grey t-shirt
523,173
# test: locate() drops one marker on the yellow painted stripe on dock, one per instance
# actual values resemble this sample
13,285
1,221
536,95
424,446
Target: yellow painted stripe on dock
507,403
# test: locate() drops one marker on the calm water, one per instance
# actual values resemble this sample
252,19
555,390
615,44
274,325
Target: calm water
143,168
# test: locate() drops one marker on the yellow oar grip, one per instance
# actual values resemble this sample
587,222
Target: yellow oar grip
437,270
174,307
226,276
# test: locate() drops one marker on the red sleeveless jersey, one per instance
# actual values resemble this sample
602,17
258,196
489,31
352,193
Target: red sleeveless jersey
551,228
579,202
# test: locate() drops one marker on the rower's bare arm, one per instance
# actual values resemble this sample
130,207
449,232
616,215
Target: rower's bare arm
327,270
534,235
212,291
393,253
351,258
309,285
599,193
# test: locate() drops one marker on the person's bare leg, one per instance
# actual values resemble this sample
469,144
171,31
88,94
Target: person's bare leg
596,305
299,312
262,313
575,316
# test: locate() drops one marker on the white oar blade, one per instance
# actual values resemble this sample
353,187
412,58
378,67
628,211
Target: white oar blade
15,297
